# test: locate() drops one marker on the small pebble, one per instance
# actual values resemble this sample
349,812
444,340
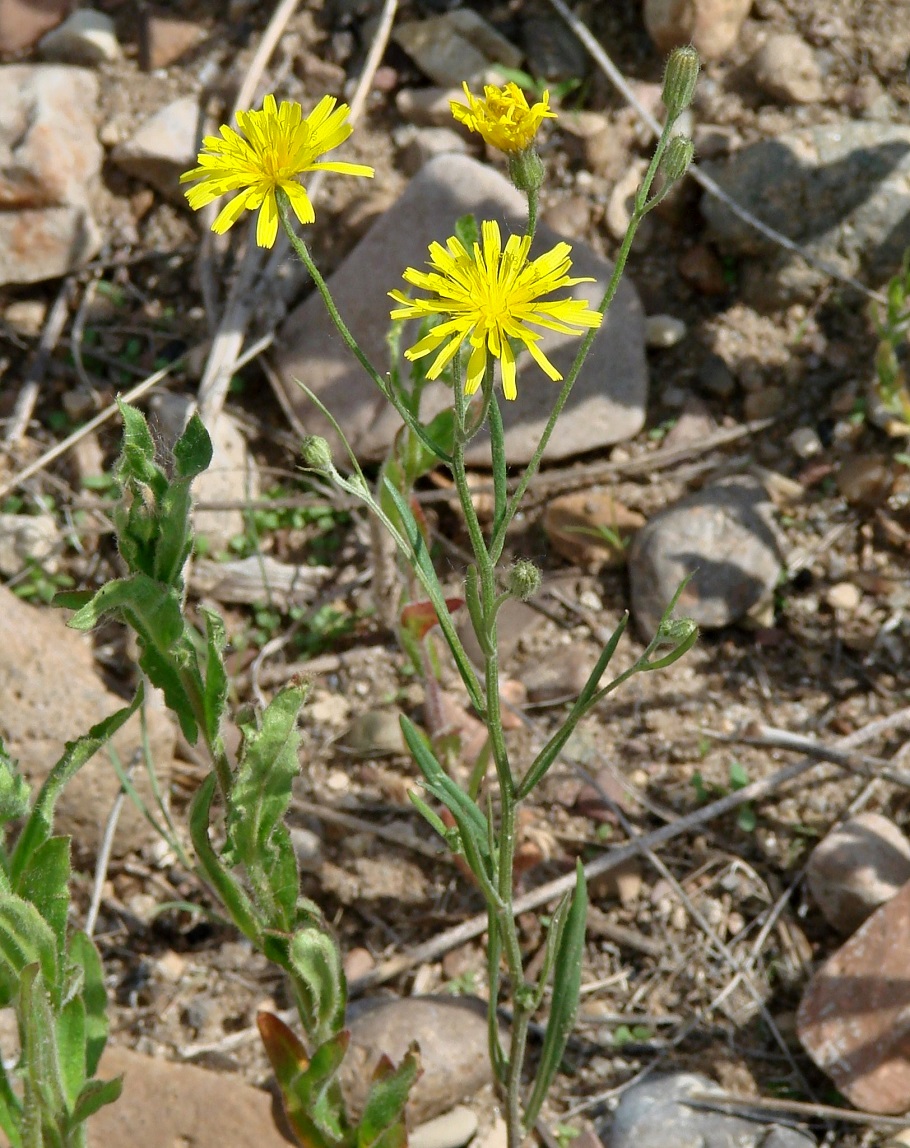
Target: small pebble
451,1130
844,596
716,378
805,442
86,37
662,331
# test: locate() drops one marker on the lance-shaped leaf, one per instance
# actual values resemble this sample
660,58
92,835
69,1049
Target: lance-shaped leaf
154,610
233,896
26,939
94,1095
566,989
472,825
44,881
319,982
309,1089
44,1106
14,789
382,1124
83,953
76,753
216,681
258,801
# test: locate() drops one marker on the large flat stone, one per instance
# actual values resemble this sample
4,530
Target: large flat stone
607,404
50,693
854,1018
170,1105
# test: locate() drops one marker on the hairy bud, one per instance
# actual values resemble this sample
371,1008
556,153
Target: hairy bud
316,452
677,158
524,580
679,80
526,170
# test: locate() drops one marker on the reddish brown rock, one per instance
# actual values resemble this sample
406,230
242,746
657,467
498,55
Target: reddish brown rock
590,528
24,22
50,693
711,26
854,1019
164,39
861,864
702,270
165,1104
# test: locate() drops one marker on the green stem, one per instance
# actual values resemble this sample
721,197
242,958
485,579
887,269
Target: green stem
303,254
533,205
640,210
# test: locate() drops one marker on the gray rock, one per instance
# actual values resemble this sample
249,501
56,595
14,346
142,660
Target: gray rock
786,69
558,675
51,693
163,148
553,50
856,868
85,37
452,1035
420,145
428,107
649,1111
839,189
50,161
723,536
715,377
28,538
455,47
607,404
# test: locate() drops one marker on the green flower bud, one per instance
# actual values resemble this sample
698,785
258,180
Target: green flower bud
679,80
524,580
675,631
677,158
316,452
526,169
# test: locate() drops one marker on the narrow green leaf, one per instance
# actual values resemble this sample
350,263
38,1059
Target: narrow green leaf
94,1095
193,450
566,989
216,680
14,789
173,538
83,953
26,939
37,828
137,452
260,796
233,896
387,1098
71,1048
44,881
467,231
319,982
44,1099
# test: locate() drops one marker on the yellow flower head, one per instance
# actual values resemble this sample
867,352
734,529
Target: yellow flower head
503,117
489,296
279,146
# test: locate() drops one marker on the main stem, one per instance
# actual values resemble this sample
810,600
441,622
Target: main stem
501,916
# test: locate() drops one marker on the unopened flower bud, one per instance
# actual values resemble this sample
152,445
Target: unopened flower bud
677,158
524,579
675,631
679,80
316,452
526,170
